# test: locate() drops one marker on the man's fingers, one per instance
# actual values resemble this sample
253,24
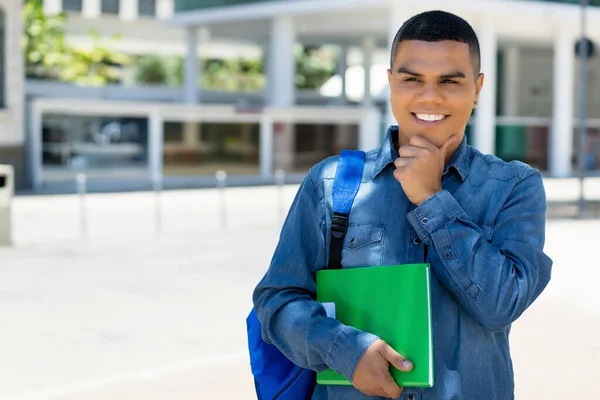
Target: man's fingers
391,389
397,360
410,151
402,162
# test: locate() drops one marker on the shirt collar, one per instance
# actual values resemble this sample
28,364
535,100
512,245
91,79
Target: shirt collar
387,154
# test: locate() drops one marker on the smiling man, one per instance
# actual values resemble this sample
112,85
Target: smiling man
425,195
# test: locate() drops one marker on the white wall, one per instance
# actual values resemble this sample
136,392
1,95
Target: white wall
11,118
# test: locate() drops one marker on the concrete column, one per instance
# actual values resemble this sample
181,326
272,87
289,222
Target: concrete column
164,8
282,88
561,137
35,146
128,10
191,134
281,64
52,7
397,16
369,134
342,67
90,8
368,47
485,120
192,68
155,144
266,147
511,61
284,146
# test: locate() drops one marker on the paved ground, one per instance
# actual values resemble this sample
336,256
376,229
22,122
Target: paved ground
128,313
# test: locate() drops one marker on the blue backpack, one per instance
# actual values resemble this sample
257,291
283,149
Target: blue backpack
275,376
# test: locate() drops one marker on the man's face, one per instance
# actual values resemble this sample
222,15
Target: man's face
433,90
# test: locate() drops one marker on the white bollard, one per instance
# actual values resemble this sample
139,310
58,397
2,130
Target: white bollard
82,190
221,177
6,196
157,183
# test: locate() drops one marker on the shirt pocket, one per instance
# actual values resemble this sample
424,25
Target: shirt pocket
363,245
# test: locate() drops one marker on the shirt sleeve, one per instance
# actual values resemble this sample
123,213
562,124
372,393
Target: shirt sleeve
495,280
284,299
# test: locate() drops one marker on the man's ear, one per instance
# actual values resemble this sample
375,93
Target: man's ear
478,86
389,72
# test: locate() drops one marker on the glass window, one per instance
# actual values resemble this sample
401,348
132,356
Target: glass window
147,8
109,6
82,142
297,147
72,5
203,149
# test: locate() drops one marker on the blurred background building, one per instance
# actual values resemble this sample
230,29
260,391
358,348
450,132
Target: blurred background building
126,90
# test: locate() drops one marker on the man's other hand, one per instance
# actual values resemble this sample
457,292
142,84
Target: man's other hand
372,376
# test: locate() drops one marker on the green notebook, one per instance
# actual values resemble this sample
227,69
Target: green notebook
392,302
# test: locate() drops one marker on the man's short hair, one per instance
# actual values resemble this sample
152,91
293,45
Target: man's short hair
436,26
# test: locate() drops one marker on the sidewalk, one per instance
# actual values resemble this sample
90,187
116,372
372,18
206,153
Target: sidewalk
131,313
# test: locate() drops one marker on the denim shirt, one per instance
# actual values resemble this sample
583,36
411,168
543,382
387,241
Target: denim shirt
485,235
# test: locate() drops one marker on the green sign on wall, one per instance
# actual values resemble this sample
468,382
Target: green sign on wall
189,5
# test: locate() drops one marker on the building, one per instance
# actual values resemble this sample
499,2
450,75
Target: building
528,110
12,98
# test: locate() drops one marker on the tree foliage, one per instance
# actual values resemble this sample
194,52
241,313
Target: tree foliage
49,56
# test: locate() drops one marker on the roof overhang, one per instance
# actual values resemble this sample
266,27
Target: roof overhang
267,9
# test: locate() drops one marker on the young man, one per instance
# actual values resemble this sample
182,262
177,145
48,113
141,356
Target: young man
481,219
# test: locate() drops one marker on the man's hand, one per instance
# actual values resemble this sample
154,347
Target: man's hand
372,375
419,168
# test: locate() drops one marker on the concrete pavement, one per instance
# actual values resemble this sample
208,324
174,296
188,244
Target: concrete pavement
129,313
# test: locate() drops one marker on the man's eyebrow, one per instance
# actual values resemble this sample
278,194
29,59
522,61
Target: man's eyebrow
453,75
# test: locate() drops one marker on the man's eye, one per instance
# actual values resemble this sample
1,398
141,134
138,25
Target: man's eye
448,81
410,80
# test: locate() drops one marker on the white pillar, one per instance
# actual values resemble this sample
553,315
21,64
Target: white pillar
368,47
52,7
342,67
561,136
369,132
155,144
281,64
192,67
128,10
164,8
485,120
35,145
90,8
396,17
191,135
511,61
266,147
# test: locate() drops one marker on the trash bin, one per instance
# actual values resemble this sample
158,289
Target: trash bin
7,183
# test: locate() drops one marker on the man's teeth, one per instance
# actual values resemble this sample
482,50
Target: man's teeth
430,117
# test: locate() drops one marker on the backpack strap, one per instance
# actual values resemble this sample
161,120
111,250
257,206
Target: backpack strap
345,187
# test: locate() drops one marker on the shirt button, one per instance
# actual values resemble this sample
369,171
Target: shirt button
410,397
417,241
448,256
424,221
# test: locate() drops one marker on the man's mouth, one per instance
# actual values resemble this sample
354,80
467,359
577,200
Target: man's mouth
429,120
430,117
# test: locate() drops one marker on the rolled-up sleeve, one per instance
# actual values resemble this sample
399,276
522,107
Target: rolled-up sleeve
284,299
495,280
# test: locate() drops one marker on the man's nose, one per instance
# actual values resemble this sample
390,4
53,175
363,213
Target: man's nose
431,94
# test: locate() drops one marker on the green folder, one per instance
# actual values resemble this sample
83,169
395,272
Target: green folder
392,302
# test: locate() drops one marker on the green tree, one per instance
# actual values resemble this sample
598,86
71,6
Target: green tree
48,56
314,66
